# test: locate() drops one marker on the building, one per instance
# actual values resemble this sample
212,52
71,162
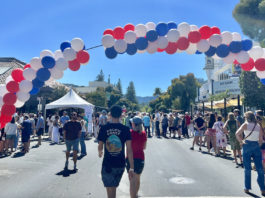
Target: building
221,77
92,87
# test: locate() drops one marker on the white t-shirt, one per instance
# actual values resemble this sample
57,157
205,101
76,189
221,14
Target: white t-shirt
11,129
158,117
255,134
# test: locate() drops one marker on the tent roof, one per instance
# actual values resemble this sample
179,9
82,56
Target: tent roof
70,100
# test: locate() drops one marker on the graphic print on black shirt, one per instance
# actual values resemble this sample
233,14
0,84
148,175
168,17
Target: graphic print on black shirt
114,136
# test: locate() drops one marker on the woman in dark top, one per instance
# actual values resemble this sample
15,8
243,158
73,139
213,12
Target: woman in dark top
210,133
26,131
165,125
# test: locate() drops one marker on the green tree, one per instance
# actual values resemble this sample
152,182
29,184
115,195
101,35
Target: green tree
119,87
97,98
100,76
157,92
131,95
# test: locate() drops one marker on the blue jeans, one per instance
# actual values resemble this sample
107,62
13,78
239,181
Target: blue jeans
82,143
252,149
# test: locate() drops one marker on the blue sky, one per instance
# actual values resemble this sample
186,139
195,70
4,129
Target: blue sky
28,27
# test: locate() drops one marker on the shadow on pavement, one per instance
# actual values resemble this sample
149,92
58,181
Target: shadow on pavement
66,173
18,154
36,146
252,194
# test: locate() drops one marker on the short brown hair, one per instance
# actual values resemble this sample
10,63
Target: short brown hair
250,117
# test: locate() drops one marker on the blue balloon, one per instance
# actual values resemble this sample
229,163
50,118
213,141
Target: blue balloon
65,45
198,52
111,53
211,51
162,29
172,25
222,51
235,46
141,43
48,62
37,83
262,81
246,44
34,91
131,49
43,74
151,35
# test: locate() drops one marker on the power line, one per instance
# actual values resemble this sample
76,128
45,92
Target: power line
94,47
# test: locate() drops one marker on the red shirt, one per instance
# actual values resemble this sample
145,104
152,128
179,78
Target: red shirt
187,118
138,142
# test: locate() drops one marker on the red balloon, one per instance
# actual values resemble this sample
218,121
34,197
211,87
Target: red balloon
194,37
205,31
2,124
160,50
119,33
9,98
74,65
5,118
236,62
12,86
17,75
183,43
249,65
129,27
8,110
260,64
215,30
27,66
108,31
82,56
171,48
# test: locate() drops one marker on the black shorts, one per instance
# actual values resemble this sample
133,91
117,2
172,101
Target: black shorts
172,128
138,165
40,131
111,177
25,138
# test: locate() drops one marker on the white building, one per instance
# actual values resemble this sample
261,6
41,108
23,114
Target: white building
92,87
220,78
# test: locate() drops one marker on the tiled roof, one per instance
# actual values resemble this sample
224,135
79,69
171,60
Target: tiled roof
7,65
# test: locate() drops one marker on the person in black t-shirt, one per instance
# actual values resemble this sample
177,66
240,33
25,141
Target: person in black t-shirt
199,126
114,136
72,133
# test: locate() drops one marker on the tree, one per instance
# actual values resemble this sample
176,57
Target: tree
157,92
100,76
131,95
119,87
97,98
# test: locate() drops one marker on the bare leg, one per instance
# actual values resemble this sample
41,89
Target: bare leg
39,140
234,152
240,156
133,187
75,157
111,191
7,145
213,139
208,143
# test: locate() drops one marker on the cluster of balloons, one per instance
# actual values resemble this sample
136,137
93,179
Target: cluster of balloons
171,38
48,66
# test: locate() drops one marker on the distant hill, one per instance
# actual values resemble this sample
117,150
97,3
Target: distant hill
145,100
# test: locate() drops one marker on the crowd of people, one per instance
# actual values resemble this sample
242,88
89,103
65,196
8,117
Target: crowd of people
116,129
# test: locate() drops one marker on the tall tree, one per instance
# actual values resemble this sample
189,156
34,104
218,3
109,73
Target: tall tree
131,95
100,76
119,87
97,98
157,92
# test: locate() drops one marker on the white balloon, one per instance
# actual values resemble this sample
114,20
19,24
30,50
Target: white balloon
56,74
260,74
46,53
140,30
152,47
194,28
179,51
25,86
162,42
22,96
192,48
29,74
19,104
120,46
8,79
203,45
150,26
130,37
69,54
256,52
35,63
58,54
227,37
184,29
108,41
242,57
230,58
1,101
3,90
77,44
61,64
215,40
173,35
236,36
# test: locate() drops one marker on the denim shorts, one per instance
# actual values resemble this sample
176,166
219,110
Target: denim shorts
138,165
10,137
111,177
72,143
198,133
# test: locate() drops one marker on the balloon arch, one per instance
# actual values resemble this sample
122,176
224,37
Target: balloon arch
162,37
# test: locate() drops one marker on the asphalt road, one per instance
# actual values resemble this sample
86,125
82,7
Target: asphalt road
171,170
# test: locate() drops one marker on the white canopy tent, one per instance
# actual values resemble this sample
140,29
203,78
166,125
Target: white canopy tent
73,100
